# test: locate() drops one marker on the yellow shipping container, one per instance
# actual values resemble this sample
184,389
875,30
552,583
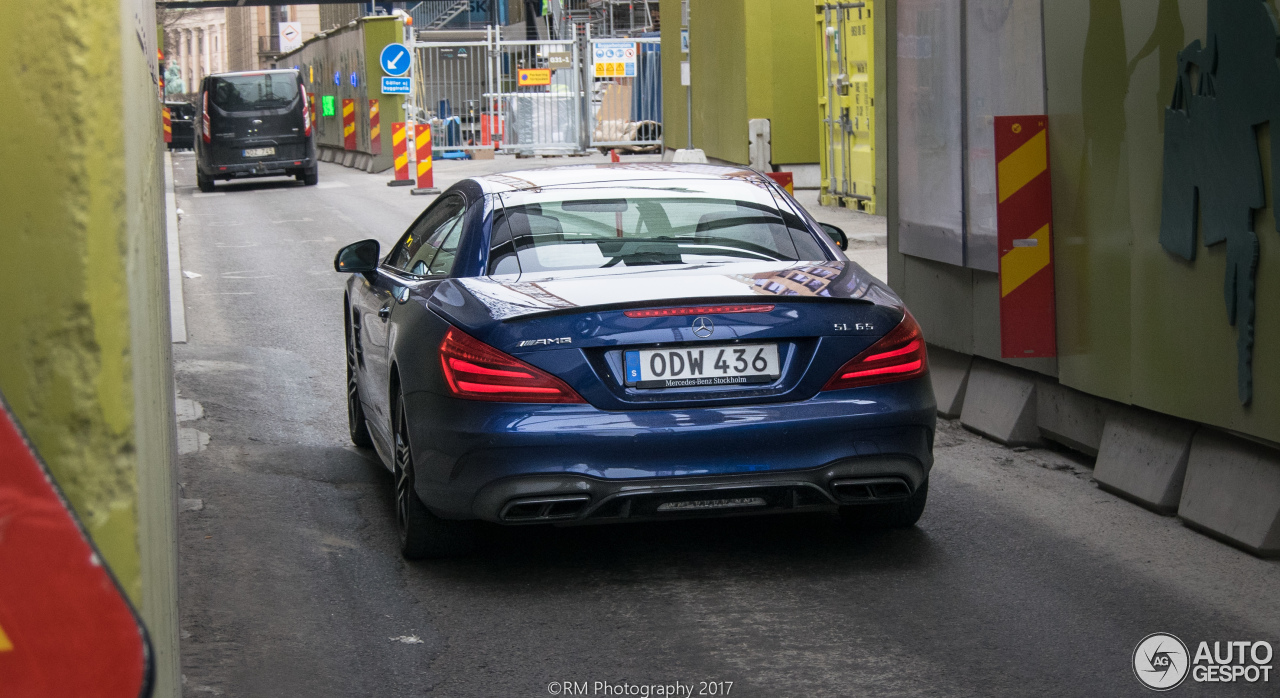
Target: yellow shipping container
846,103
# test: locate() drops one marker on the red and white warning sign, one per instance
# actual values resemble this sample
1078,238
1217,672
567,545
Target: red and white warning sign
290,36
65,627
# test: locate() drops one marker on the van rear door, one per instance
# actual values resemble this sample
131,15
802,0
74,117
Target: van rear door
256,117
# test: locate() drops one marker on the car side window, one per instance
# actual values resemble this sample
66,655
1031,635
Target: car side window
442,263
415,251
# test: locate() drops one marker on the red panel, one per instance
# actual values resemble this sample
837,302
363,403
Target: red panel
65,627
375,128
349,124
786,180
423,148
1028,321
400,150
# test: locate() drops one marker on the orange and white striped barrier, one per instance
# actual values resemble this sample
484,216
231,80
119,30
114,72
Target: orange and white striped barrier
349,124
400,155
422,144
375,128
167,119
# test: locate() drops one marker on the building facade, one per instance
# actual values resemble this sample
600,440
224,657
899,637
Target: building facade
196,45
253,33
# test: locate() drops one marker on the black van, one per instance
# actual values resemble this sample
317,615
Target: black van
182,118
254,124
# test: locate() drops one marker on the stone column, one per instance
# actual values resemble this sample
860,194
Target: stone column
192,85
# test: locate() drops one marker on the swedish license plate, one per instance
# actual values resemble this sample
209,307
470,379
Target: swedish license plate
259,152
686,367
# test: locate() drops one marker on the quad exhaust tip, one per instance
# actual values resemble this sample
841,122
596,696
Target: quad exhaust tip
535,509
870,489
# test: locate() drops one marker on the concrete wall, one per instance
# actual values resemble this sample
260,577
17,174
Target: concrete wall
347,49
1146,372
86,363
750,59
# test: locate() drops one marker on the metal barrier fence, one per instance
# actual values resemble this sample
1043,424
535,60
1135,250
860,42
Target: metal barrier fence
528,97
626,95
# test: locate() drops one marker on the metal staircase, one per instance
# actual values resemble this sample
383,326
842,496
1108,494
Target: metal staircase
430,15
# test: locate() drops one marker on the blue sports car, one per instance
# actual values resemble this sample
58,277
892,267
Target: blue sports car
640,341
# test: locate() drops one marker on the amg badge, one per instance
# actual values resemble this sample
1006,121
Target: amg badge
544,342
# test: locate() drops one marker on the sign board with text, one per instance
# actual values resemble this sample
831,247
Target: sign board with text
614,59
395,86
533,77
560,59
290,36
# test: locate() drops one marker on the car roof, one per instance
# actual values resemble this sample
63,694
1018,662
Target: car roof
523,180
253,72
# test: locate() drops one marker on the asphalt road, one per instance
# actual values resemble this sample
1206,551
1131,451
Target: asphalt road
1021,579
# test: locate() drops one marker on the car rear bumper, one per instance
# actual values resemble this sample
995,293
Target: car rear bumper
263,168
474,459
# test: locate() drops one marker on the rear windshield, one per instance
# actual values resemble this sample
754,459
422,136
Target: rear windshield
180,110
644,229
254,92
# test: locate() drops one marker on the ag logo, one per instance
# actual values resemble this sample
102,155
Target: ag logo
1160,661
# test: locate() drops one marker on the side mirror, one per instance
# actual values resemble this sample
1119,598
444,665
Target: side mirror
836,234
358,257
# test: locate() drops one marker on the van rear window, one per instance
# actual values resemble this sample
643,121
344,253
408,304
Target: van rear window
254,92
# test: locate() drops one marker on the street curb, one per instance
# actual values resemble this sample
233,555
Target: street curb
177,308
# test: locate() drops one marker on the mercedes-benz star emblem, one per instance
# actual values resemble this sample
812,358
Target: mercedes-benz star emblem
703,328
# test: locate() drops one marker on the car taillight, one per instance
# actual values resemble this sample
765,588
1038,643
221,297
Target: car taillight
897,356
477,371
204,120
306,113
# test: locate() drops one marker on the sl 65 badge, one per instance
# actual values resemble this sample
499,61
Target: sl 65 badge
545,342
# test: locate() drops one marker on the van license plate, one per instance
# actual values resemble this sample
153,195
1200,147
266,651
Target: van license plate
705,366
259,152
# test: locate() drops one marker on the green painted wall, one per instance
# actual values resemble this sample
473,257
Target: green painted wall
750,59
86,356
674,132
345,49
1135,323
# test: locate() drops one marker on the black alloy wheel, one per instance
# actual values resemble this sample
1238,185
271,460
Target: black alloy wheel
356,425
422,534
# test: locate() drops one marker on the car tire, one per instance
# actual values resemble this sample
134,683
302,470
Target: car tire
356,424
204,183
310,179
422,534
901,514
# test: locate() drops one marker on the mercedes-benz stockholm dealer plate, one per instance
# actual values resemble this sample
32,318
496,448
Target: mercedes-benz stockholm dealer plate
684,367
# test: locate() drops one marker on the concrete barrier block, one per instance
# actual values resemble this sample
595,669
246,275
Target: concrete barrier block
949,371
1232,491
1000,403
1070,417
1143,458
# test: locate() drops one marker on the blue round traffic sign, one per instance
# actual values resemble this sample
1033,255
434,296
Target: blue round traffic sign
395,60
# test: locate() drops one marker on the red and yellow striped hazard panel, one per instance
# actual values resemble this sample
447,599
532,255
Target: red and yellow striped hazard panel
1024,227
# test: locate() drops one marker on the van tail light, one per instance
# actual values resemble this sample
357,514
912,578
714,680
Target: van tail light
204,121
897,356
306,113
477,371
